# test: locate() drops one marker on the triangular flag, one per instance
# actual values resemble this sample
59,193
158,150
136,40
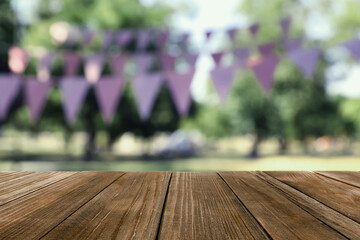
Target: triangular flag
253,29
108,92
18,60
285,25
108,39
36,93
241,53
223,78
264,71
93,68
72,61
353,46
146,88
305,60
88,36
293,43
9,88
232,33
162,39
217,57
73,90
266,49
123,37
179,85
117,63
44,67
143,62
208,34
143,39
167,62
191,59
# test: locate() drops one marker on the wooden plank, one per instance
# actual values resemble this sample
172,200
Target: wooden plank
33,215
8,176
23,185
352,178
201,206
334,194
130,208
281,218
334,219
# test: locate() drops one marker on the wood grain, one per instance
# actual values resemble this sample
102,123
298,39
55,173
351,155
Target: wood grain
334,194
352,178
26,184
8,176
334,219
130,208
33,215
201,206
281,218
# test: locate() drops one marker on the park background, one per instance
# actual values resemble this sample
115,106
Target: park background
303,124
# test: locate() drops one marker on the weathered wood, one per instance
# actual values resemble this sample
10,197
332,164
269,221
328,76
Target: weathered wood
28,183
352,178
33,215
8,176
130,208
201,206
334,219
281,218
339,196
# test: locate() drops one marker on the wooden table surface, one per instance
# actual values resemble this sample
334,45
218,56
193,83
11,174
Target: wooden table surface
179,205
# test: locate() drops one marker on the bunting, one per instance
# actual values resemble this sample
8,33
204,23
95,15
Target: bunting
74,91
108,92
72,62
36,94
146,88
117,63
305,60
179,85
264,71
353,46
223,78
9,88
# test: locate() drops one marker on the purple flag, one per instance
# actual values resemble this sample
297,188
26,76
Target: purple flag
123,37
208,34
191,59
292,44
266,49
223,78
117,63
241,53
9,88
44,67
143,62
217,57
253,29
108,92
146,88
179,85
162,39
36,94
285,25
232,33
264,71
94,67
108,39
88,36
353,46
143,39
305,60
72,61
167,62
73,90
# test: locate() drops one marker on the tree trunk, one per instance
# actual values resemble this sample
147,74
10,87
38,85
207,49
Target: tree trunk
283,145
255,147
90,146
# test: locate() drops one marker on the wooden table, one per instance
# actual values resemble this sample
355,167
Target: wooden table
178,205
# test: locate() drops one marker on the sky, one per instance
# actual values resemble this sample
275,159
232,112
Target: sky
206,15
